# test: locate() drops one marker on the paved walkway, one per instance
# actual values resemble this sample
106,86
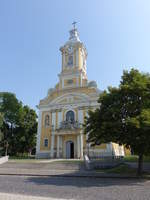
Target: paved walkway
5,196
63,169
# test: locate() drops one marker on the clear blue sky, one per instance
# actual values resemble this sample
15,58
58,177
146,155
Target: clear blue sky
115,32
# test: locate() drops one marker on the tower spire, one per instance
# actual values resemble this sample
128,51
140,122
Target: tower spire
74,35
74,25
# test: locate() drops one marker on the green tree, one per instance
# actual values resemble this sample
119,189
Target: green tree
26,131
18,127
124,115
11,109
1,120
1,134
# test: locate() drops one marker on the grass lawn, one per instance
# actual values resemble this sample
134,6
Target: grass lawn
69,161
22,157
122,169
134,158
24,160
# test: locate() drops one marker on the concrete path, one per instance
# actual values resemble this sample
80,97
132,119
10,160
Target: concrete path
61,169
5,196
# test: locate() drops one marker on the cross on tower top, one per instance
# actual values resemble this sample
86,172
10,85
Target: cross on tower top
74,24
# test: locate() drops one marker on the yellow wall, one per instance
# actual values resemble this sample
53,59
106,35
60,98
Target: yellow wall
74,58
102,146
80,64
127,151
79,80
56,120
76,113
68,84
84,82
64,114
45,132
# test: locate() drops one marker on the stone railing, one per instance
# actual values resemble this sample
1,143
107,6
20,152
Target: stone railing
69,125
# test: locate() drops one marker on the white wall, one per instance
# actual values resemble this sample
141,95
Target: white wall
4,159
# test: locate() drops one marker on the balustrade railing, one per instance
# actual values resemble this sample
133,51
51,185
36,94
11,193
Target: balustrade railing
69,125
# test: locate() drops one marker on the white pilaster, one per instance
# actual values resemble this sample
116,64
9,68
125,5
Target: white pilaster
58,145
81,79
77,58
80,116
39,133
54,120
109,148
77,82
52,144
81,145
78,146
121,150
60,116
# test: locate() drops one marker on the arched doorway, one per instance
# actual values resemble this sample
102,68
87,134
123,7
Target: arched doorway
69,149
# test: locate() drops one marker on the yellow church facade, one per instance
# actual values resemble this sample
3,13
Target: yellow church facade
63,110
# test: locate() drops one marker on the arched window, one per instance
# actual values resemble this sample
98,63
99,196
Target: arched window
70,60
70,116
45,142
47,120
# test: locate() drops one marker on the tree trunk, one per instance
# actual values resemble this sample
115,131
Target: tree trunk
6,150
140,165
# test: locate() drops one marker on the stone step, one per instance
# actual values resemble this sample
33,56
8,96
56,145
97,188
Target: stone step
56,165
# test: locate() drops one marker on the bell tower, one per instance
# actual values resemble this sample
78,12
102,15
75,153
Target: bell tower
74,55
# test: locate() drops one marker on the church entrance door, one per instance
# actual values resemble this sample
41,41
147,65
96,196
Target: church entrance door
69,149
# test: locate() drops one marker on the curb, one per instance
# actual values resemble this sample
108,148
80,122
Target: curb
76,176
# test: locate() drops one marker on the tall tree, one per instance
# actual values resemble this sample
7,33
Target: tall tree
124,115
27,130
19,125
1,134
11,109
1,120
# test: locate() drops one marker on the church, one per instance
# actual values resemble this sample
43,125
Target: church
63,110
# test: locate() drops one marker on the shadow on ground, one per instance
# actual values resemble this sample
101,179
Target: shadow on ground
84,182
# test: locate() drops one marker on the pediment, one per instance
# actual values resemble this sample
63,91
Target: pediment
70,98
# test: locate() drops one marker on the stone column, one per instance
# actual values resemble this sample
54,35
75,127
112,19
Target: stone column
109,148
77,58
81,145
78,146
52,143
39,134
58,145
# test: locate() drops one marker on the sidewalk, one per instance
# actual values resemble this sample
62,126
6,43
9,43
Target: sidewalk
56,170
6,196
65,173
